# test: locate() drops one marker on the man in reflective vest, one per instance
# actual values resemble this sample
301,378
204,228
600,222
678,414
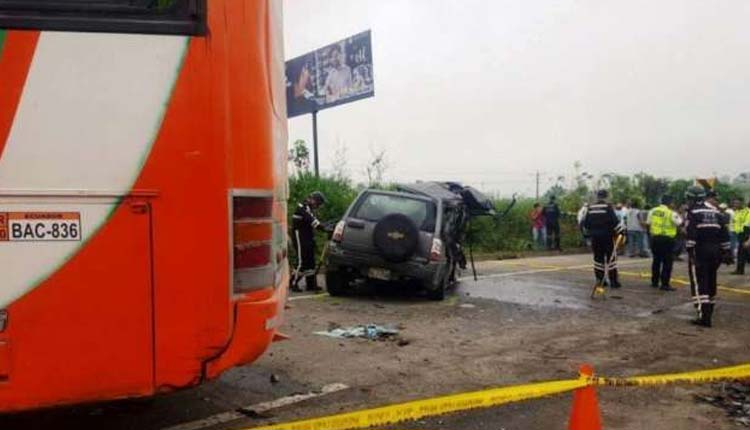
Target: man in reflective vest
708,246
663,223
741,227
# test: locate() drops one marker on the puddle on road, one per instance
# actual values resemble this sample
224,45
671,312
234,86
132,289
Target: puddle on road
526,292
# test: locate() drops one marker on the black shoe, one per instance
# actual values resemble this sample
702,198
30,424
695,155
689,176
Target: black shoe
654,285
701,323
296,288
616,285
316,290
667,288
737,273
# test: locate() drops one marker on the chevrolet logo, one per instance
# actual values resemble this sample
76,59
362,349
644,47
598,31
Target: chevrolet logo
396,235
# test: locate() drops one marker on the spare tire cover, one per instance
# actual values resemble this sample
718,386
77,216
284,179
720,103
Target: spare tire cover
396,237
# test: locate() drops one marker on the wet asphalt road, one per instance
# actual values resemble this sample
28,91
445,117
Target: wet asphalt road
552,286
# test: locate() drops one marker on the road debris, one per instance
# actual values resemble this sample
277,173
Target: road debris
369,331
734,398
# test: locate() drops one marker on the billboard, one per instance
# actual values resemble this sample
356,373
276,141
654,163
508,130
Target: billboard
335,74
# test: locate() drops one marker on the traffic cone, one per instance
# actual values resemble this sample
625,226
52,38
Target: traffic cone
585,414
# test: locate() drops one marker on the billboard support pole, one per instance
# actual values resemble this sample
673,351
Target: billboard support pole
315,142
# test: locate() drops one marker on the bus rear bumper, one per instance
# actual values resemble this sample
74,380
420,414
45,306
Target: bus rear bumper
256,325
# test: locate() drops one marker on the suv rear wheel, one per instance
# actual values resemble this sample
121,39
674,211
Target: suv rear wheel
337,283
438,293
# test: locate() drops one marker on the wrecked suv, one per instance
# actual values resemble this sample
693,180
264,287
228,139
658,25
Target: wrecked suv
413,234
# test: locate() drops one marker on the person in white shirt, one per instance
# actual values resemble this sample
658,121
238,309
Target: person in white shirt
635,231
339,79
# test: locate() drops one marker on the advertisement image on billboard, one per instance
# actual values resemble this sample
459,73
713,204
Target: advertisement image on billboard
335,74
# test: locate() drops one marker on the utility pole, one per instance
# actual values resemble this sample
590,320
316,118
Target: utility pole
537,185
315,142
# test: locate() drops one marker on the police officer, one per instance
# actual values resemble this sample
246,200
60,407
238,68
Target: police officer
663,223
304,224
707,245
603,226
741,227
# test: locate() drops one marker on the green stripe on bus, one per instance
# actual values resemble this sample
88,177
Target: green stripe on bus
2,40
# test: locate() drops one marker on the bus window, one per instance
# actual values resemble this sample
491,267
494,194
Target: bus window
186,17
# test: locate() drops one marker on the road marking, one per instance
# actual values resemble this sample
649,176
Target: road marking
545,268
413,410
259,408
542,269
308,297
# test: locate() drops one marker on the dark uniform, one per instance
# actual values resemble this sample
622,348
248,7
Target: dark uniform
551,213
304,224
602,225
707,245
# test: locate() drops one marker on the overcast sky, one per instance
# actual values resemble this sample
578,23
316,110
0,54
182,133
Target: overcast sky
490,91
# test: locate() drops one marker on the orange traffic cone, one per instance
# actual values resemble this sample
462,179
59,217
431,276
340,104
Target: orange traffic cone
585,414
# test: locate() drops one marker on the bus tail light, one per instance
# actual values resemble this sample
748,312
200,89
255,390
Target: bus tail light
3,320
338,232
253,233
437,250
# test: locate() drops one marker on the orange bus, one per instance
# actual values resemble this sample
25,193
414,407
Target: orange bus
142,195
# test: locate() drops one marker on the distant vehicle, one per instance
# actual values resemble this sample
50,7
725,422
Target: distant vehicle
143,195
412,234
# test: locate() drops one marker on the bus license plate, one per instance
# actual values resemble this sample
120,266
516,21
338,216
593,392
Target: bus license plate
40,226
377,273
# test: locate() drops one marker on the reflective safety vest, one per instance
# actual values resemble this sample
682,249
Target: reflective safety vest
741,220
662,223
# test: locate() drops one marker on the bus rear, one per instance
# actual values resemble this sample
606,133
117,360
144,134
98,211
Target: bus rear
142,195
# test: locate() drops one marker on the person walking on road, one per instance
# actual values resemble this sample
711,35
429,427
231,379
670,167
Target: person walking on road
538,227
741,228
304,224
551,213
663,224
707,245
603,226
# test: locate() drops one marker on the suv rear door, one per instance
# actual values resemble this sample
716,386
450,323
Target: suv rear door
372,206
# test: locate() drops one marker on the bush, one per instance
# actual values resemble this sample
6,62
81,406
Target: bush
339,191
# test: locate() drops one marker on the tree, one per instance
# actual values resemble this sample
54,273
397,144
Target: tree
340,160
677,189
652,188
376,167
555,190
622,188
299,155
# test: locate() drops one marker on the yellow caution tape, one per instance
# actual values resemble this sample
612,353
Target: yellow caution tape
733,290
437,406
414,410
712,375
